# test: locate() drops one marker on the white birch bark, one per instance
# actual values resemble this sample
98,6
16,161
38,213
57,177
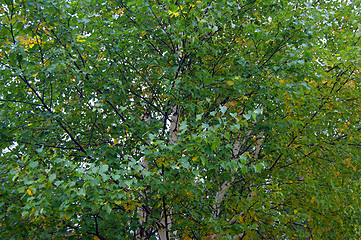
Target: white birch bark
142,213
226,185
166,222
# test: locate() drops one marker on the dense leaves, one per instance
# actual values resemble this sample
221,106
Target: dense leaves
180,119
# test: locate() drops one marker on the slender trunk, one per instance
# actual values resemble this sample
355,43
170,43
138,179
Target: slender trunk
166,221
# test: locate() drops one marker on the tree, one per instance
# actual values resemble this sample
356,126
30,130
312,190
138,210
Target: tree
180,119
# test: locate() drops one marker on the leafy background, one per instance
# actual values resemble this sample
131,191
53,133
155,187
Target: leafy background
179,120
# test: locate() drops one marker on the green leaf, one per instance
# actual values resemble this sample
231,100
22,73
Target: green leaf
183,126
103,168
33,164
91,92
115,177
223,109
108,209
42,179
52,177
82,192
247,116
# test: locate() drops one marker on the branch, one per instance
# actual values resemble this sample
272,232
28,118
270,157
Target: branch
226,185
10,100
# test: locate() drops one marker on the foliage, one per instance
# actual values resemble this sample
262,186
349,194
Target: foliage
180,119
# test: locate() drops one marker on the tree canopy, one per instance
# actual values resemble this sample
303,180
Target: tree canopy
154,119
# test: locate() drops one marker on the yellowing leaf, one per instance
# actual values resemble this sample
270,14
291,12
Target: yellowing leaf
96,238
29,192
230,83
126,207
173,14
240,219
79,38
195,158
120,11
186,237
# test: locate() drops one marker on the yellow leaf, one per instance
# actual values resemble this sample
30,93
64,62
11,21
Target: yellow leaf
230,83
195,158
120,11
96,238
79,38
240,219
126,207
173,14
29,192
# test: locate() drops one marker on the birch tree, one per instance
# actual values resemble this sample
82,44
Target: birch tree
179,119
